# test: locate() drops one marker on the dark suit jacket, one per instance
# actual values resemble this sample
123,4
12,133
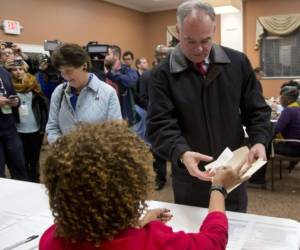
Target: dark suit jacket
188,112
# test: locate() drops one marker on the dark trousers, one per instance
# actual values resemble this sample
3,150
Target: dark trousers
191,191
160,167
11,154
32,143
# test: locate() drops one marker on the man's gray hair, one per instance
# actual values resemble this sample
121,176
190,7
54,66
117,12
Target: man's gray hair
188,7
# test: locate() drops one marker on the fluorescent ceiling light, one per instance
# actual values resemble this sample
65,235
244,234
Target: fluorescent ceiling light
225,9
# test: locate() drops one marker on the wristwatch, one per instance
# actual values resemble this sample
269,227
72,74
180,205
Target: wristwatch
220,189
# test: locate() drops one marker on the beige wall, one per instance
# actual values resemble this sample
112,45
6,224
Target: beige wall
81,21
254,9
76,21
157,25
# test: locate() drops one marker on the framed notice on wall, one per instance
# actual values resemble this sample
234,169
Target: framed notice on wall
11,27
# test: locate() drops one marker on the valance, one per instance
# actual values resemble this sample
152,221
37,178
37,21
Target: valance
276,25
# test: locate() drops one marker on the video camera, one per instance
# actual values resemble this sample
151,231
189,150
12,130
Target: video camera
51,45
97,53
18,62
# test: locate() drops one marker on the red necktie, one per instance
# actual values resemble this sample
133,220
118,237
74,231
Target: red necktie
201,68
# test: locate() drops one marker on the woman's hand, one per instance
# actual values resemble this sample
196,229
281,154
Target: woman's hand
3,101
228,177
161,214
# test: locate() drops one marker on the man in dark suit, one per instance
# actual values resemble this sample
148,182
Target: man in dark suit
200,98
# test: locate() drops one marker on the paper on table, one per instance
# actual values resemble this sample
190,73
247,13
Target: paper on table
8,218
238,157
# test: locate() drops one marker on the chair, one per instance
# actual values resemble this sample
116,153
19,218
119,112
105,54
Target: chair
281,158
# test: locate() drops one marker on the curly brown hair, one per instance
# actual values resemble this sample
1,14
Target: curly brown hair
97,179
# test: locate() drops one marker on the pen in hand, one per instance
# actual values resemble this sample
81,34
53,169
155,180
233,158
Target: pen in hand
30,238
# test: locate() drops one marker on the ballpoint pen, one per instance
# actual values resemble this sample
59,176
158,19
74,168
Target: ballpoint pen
30,238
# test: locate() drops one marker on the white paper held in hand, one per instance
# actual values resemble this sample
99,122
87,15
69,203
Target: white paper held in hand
234,159
223,158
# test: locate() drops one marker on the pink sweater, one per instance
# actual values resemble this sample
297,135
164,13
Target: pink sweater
213,235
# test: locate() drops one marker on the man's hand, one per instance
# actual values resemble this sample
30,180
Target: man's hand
257,151
191,160
3,101
13,101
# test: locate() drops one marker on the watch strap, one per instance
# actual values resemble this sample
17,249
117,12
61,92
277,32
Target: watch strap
219,188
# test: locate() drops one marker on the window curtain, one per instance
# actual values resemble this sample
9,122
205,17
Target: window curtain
276,25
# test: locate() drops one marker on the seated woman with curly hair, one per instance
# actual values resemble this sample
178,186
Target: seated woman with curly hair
97,179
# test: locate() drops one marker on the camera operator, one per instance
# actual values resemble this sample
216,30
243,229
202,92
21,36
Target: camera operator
11,51
11,148
6,53
125,78
47,76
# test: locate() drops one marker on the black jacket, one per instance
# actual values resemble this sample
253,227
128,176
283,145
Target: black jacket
144,89
40,108
7,121
187,112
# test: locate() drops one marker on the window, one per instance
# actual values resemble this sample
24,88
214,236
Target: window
280,55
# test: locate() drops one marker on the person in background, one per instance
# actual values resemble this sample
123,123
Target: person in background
33,113
125,78
83,98
97,187
11,148
141,65
6,55
259,74
161,52
288,124
11,51
200,98
128,58
292,84
159,163
47,76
